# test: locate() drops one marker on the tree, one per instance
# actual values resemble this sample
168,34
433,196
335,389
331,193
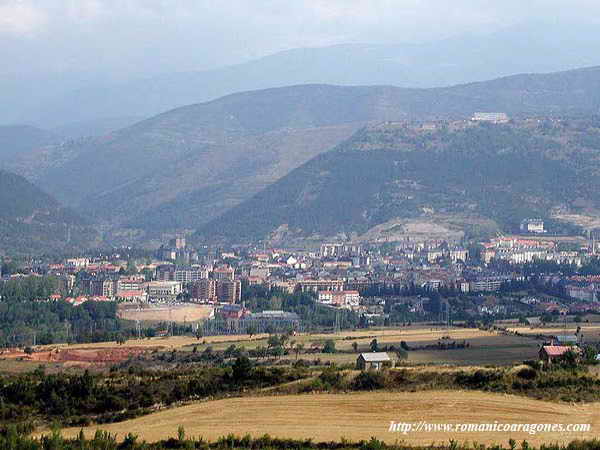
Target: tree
277,351
273,341
355,347
374,346
251,330
329,346
261,351
231,351
298,349
402,354
242,368
283,339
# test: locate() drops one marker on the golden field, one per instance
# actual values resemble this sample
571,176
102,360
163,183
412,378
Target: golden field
355,416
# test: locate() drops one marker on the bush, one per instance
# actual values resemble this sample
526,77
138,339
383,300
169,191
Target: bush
331,377
329,346
479,378
527,373
368,381
535,365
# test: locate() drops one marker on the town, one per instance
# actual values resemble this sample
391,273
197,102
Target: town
530,277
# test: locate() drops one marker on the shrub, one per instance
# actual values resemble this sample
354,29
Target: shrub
331,377
329,346
527,373
368,381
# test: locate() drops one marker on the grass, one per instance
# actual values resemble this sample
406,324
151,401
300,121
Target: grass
325,417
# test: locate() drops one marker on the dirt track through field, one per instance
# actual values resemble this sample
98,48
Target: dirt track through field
356,416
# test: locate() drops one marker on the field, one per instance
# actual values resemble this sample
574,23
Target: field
177,313
485,347
324,417
591,332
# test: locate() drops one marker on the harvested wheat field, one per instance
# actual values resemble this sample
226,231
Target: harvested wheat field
591,332
355,416
160,343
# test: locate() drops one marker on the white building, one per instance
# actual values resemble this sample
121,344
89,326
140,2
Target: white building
493,117
532,226
164,290
344,299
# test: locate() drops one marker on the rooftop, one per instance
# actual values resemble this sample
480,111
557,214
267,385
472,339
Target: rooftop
375,356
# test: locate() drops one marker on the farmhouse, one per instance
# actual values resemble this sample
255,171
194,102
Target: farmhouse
373,361
549,353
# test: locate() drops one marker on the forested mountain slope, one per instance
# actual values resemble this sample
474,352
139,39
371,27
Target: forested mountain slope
505,173
32,222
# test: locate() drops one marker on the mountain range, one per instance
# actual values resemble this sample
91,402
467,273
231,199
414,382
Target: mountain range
184,168
525,48
187,166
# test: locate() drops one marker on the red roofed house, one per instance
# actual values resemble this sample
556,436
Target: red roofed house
549,353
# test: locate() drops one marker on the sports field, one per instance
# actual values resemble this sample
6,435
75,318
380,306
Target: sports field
181,313
355,416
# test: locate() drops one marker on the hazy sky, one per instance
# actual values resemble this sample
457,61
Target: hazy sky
130,37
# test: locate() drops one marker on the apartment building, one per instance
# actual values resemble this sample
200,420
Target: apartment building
164,290
182,274
320,285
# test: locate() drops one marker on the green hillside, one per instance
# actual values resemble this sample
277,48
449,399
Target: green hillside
500,172
185,167
33,222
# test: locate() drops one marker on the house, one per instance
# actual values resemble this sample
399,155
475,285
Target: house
549,353
373,361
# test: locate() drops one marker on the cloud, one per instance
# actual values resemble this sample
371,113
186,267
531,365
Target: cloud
20,18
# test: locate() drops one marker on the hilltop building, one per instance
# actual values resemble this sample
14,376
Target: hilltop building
532,226
492,117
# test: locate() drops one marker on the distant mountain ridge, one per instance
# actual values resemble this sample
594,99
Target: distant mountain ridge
184,167
526,48
33,222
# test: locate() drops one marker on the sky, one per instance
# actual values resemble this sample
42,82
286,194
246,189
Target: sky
119,39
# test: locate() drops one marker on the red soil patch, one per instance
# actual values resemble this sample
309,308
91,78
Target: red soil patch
102,355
